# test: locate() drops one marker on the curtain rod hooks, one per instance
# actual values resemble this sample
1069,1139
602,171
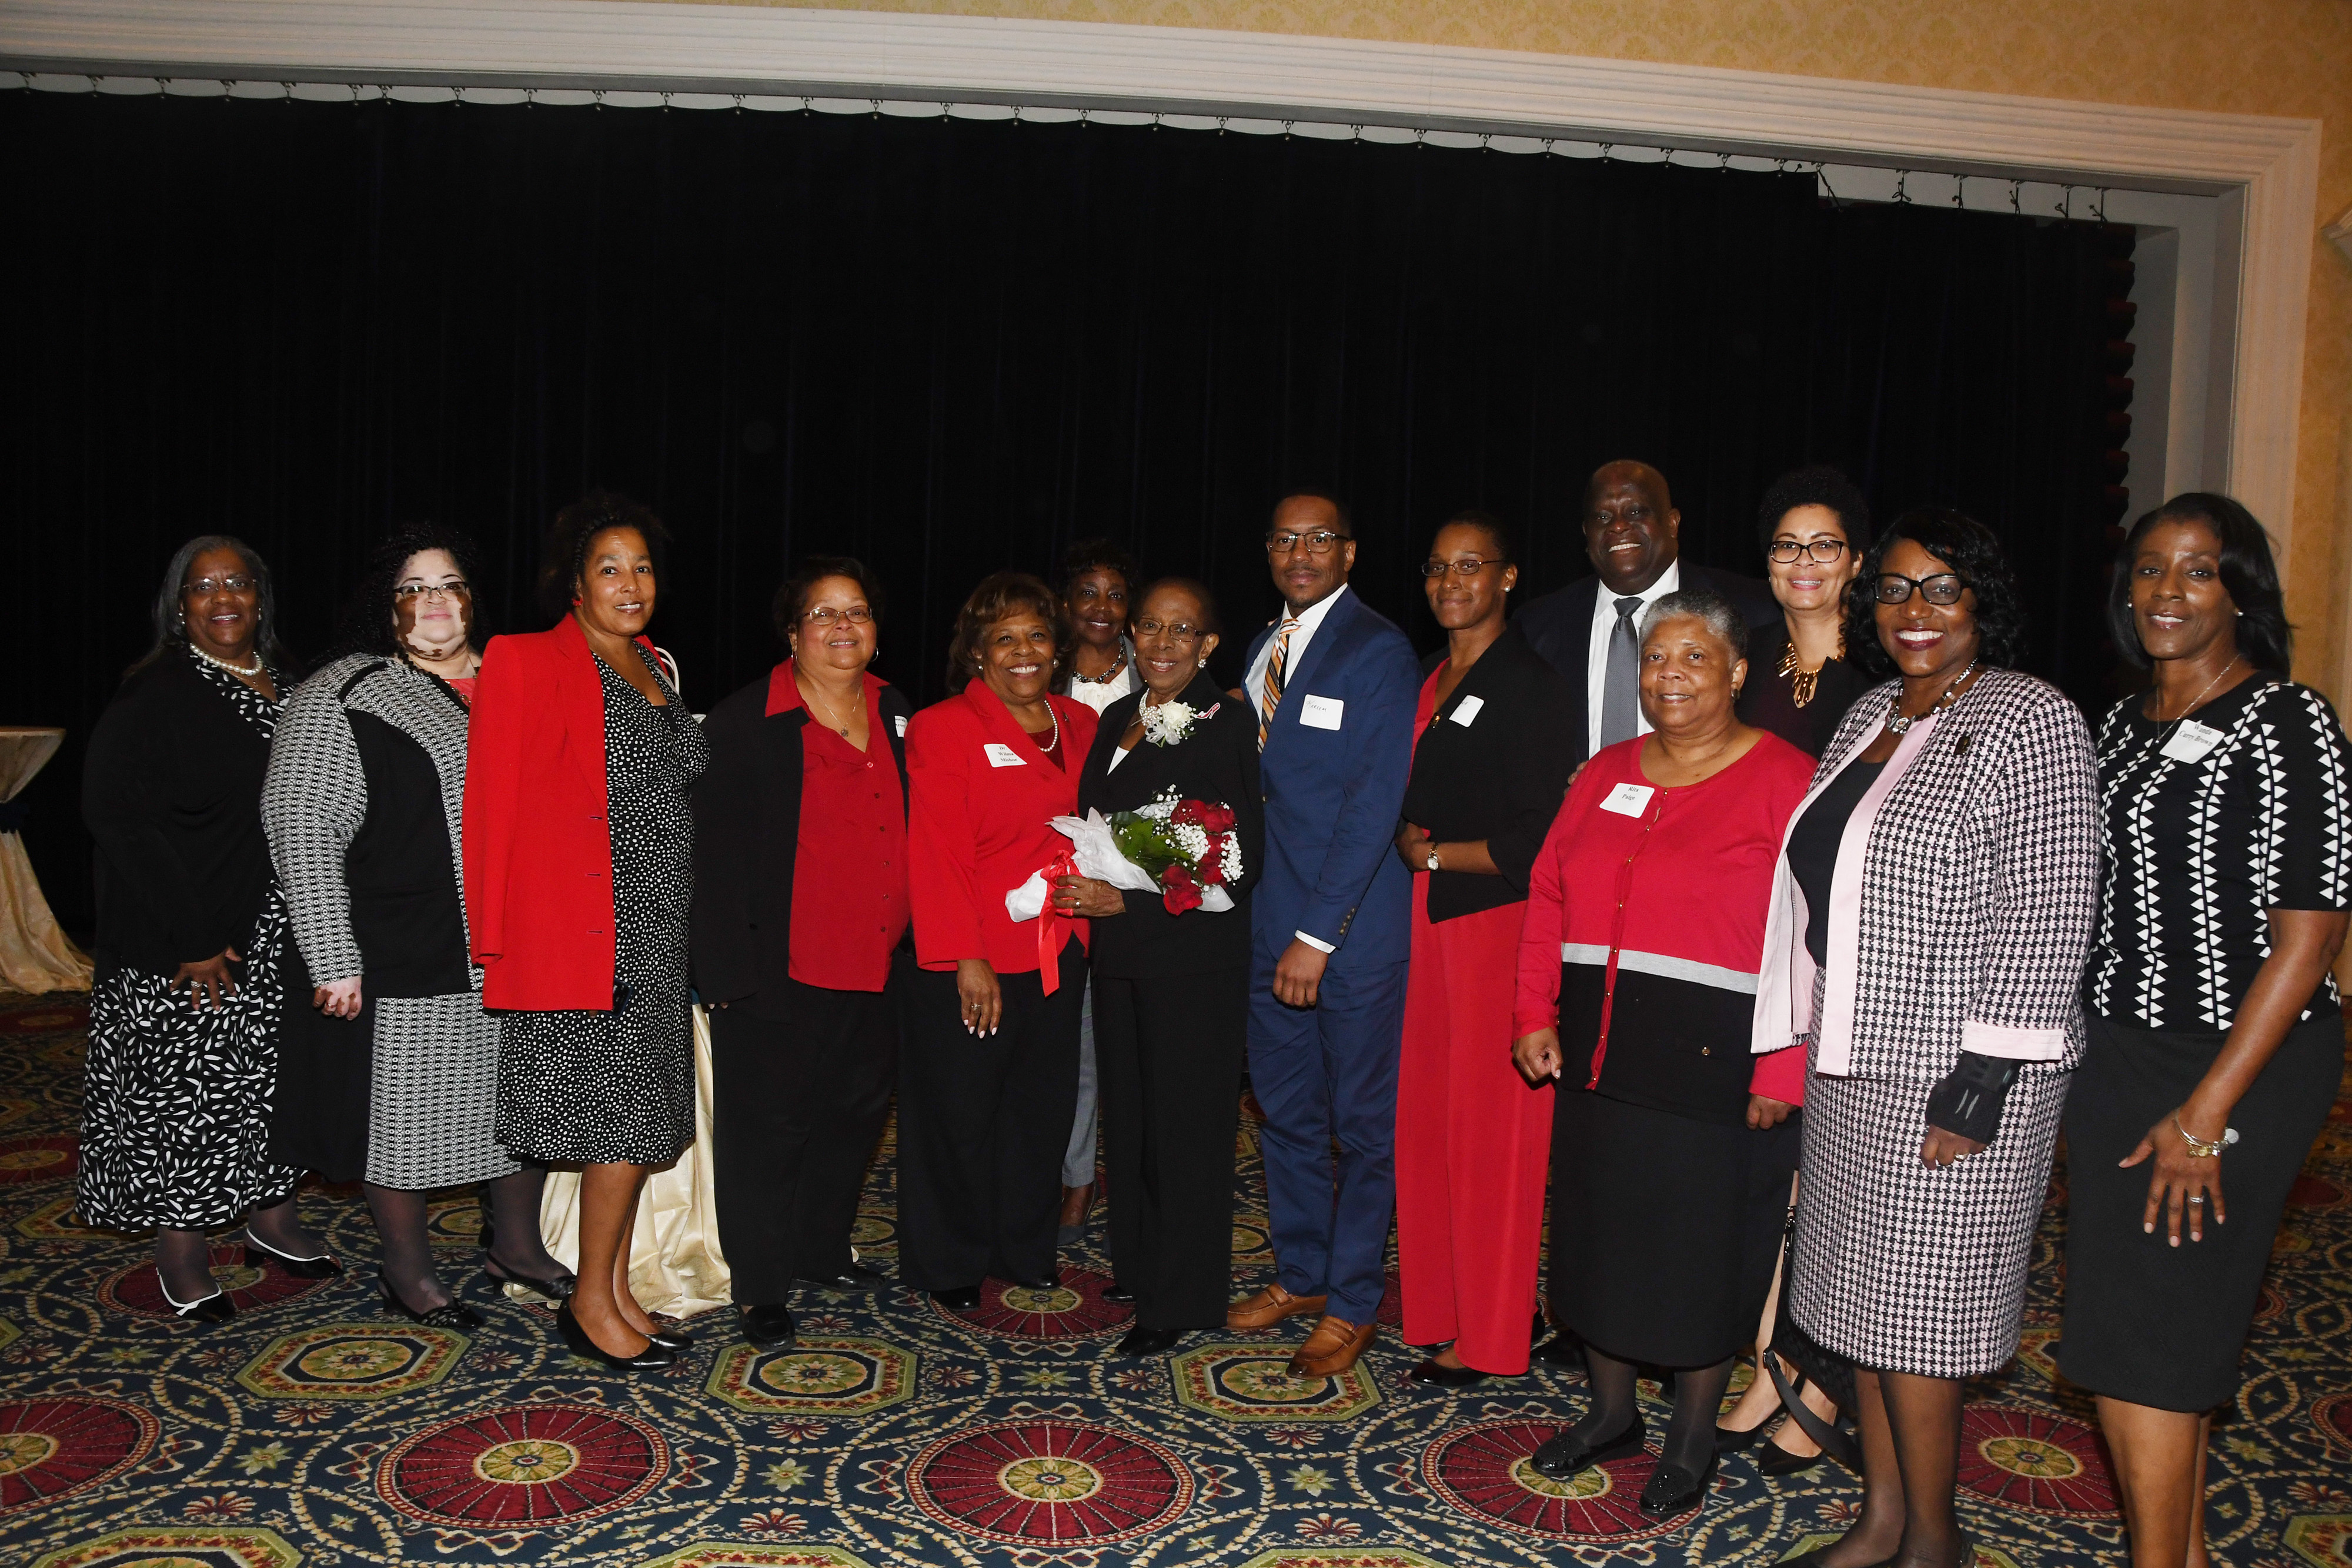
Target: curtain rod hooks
1959,190
2017,197
1902,178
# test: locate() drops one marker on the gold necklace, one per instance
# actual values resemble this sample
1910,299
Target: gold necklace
807,697
1806,680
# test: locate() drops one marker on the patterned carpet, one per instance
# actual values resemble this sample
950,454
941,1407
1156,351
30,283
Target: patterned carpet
313,1430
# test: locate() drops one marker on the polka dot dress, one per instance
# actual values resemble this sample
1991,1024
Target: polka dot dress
592,1088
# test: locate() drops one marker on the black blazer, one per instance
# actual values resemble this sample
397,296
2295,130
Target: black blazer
1218,763
1558,625
1499,777
747,833
171,790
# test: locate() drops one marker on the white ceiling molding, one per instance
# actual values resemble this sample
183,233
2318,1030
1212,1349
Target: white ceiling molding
2266,167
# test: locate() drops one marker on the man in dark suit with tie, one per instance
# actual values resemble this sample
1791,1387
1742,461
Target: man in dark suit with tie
1591,629
1334,685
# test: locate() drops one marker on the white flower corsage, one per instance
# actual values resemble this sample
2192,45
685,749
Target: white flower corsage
1172,722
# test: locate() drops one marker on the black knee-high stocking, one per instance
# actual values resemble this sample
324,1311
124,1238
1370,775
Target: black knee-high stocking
1614,1397
408,1251
1698,1397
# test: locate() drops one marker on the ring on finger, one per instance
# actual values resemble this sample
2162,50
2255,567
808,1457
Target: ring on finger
2198,1198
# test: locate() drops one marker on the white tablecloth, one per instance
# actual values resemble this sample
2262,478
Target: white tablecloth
34,955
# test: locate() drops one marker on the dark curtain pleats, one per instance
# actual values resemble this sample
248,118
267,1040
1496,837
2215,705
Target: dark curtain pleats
952,346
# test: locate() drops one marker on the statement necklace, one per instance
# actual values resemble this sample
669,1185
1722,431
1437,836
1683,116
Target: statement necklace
223,663
1806,682
1898,722
1117,666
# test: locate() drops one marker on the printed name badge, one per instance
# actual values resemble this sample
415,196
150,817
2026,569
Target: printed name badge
1321,712
1465,710
900,720
1628,799
2192,741
1002,756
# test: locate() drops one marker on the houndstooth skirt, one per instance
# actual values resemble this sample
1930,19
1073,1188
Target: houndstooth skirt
1902,1268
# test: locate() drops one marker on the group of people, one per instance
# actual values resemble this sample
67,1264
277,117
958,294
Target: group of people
1773,928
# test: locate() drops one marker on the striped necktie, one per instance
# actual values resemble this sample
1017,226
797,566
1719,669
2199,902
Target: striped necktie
1270,693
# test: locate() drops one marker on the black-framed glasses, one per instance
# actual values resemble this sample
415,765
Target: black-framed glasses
823,616
1470,567
236,583
1822,550
1944,588
1179,630
408,590
1322,542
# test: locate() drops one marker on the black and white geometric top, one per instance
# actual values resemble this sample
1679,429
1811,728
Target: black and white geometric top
2195,854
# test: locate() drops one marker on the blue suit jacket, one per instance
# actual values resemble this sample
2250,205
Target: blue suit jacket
1333,795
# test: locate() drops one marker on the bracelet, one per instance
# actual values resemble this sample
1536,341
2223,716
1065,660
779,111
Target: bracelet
2198,1147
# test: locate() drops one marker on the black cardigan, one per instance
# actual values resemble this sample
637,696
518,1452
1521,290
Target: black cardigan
1499,777
747,833
171,790
1218,763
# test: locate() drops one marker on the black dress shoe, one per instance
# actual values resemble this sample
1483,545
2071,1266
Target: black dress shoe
450,1314
215,1308
1566,1454
1141,1341
1673,1490
322,1267
1436,1373
499,1275
770,1326
850,1276
962,1299
1563,1349
1049,1282
1727,1441
653,1358
1119,1294
1776,1460
671,1338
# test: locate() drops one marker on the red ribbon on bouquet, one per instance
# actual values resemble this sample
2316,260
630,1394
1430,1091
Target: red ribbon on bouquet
1052,925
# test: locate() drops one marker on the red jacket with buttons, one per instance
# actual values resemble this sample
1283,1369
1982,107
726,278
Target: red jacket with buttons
538,853
981,800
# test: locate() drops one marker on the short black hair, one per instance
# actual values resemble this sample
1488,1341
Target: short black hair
2248,571
792,595
1819,485
1309,493
1210,620
365,624
1097,555
170,624
1485,521
1970,548
565,553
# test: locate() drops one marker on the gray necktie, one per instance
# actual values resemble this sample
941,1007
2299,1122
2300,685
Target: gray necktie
1620,683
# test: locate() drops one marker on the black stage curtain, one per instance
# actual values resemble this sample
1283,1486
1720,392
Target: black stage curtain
951,346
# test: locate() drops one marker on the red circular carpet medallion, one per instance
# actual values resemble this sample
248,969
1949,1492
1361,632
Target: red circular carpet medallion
532,1464
2025,1458
1483,1471
1049,1483
51,1448
2333,1417
250,1286
1073,1309
38,1158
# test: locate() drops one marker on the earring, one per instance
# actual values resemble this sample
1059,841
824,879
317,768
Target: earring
1205,664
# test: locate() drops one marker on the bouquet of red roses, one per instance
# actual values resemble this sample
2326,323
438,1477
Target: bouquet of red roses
1188,848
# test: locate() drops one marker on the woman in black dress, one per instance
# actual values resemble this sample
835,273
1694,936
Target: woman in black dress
1172,991
186,1008
2216,1036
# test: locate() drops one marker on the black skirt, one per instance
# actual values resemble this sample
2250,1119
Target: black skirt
1664,1228
2149,1322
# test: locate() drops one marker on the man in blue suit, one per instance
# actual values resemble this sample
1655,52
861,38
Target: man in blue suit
1334,685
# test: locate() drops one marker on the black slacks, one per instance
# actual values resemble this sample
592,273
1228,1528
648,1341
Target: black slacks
801,1084
983,1121
1170,1055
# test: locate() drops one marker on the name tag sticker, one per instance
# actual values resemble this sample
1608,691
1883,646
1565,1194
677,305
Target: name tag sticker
1001,756
1465,710
1321,712
1628,799
2192,741
900,720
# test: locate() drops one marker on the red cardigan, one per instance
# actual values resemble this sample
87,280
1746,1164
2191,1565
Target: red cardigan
976,827
539,854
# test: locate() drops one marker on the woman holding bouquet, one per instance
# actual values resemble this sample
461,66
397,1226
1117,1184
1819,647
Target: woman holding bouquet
989,1077
1172,989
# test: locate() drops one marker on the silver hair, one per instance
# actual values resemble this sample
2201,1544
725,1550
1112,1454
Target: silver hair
1722,617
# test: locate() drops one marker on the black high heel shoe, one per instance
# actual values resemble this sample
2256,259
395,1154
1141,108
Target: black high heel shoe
451,1314
322,1267
497,1274
215,1308
653,1358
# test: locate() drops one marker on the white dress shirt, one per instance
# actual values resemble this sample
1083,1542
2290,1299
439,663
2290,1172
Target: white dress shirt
1596,650
1308,620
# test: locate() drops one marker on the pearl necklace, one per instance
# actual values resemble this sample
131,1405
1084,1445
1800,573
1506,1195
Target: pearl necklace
223,663
1056,740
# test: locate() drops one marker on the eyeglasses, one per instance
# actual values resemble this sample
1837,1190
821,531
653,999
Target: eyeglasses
1322,542
1944,588
823,616
1822,550
204,585
1177,631
408,591
1470,567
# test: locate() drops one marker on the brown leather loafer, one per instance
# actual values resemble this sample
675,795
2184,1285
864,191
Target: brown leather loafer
1269,1307
1332,1348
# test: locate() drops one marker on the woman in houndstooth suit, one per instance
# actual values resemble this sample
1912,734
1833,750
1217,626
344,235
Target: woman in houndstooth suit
1926,941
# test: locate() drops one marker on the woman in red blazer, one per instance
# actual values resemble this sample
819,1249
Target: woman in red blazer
990,1075
579,848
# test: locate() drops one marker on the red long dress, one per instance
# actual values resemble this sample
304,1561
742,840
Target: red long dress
1472,1139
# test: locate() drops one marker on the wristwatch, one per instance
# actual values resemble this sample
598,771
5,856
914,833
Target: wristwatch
1432,854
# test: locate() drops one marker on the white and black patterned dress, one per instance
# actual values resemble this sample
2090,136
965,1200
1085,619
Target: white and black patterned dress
175,1105
588,1088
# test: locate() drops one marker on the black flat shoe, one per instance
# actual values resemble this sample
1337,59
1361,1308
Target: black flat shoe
653,1358
215,1308
1673,1489
1051,1282
322,1267
673,1339
962,1299
1140,1341
1119,1294
451,1314
851,1276
771,1327
1566,1454
1436,1373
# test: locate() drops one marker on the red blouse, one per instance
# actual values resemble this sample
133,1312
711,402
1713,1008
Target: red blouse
849,873
1645,930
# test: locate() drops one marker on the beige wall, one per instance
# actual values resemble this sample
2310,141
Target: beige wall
2244,56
